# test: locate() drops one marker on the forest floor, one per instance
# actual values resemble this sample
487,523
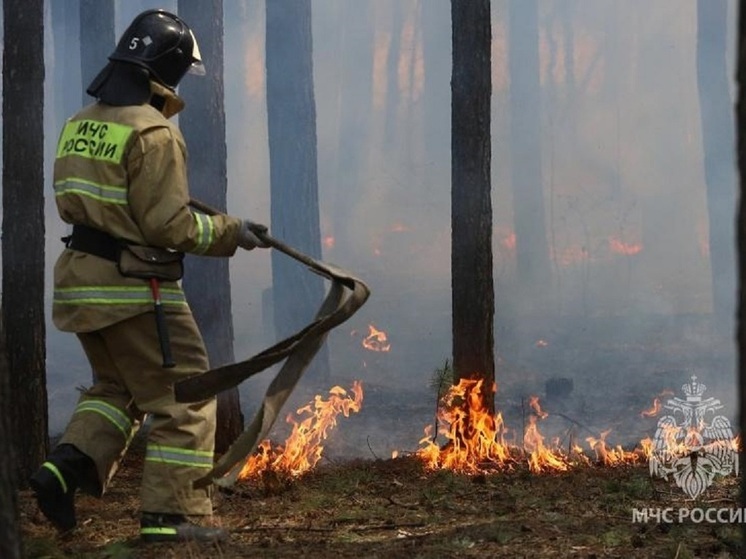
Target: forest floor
359,503
395,508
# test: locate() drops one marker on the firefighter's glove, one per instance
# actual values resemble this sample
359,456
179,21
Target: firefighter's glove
247,235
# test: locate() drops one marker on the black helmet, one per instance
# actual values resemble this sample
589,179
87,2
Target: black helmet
161,43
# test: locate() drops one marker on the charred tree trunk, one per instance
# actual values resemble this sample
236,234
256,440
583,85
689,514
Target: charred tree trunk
741,322
473,298
532,252
23,230
206,280
294,200
97,39
720,169
10,540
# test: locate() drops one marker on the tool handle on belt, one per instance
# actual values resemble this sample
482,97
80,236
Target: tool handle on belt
160,324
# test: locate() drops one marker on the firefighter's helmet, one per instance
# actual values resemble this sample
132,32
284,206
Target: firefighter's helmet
161,43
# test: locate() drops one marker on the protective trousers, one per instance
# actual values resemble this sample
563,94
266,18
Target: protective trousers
130,382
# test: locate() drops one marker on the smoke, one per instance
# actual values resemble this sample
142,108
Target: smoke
630,294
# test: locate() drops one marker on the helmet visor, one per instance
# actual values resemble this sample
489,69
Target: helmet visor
196,66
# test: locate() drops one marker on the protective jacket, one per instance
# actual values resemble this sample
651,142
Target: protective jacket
122,170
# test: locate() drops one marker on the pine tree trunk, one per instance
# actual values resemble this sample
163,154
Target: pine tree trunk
207,280
529,221
473,298
10,542
291,125
718,135
23,230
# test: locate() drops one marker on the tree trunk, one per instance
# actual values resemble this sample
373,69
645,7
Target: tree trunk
65,59
207,280
294,200
10,541
473,298
741,323
718,137
355,104
97,39
23,229
532,252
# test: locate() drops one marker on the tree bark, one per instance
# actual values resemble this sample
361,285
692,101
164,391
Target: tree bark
473,299
294,199
207,280
532,251
10,541
718,135
23,230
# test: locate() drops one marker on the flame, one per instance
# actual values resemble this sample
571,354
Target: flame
476,443
376,340
617,455
302,449
509,242
654,409
476,439
620,247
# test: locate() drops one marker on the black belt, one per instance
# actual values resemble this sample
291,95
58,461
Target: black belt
90,240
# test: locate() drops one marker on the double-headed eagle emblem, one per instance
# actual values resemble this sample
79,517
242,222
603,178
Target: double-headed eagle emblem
692,450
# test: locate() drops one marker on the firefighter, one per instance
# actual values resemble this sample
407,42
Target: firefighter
120,180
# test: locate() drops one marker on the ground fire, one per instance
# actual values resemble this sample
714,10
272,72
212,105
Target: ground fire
311,426
476,442
376,340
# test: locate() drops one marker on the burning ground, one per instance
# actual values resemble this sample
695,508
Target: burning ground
475,494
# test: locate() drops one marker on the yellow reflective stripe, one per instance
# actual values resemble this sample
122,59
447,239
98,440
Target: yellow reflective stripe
179,456
117,417
159,530
205,232
52,468
90,189
115,295
93,139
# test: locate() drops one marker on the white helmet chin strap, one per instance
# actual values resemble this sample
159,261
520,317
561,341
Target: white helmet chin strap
197,67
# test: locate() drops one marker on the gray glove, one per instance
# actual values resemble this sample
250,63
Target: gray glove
247,238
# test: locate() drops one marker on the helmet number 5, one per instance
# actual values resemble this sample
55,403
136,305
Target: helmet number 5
133,43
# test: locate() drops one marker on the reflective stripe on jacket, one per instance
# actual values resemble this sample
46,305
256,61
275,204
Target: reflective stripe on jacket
122,170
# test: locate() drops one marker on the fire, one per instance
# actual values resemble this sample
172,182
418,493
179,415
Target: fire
328,241
653,410
476,442
540,457
620,247
617,455
475,437
376,340
302,449
509,242
655,407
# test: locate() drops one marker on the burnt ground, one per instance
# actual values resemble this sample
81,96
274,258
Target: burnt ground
394,508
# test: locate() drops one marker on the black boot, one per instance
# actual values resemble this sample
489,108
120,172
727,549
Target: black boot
55,483
155,527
